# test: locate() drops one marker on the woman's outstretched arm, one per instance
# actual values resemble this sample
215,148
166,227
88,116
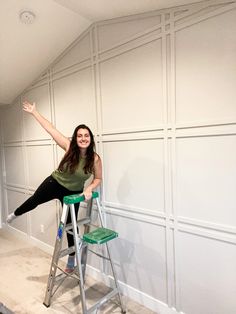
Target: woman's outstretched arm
59,138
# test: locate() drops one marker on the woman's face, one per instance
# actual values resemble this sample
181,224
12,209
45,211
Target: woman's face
83,138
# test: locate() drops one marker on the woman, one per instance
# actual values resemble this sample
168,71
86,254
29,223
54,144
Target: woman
78,164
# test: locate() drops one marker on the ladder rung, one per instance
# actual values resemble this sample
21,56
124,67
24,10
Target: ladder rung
60,277
99,255
103,300
64,275
67,251
82,221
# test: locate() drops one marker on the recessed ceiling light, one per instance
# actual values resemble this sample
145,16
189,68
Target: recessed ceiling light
27,17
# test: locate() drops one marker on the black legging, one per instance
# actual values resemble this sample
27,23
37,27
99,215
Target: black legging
48,190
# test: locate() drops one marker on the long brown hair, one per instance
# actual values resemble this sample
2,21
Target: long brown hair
71,159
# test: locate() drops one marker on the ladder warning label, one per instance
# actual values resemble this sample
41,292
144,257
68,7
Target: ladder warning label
60,231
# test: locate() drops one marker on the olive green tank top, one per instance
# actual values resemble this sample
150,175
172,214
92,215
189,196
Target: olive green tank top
72,181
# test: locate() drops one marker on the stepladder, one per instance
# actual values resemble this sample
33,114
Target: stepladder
82,241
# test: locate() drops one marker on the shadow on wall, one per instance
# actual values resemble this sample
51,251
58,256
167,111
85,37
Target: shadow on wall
139,265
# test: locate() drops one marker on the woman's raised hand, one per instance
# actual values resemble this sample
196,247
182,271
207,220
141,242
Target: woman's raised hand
28,107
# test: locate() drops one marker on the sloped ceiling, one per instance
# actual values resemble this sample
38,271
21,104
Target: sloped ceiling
26,50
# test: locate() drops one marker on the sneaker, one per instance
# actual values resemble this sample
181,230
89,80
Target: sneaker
69,270
10,218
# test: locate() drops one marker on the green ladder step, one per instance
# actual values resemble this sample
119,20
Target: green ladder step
100,236
77,198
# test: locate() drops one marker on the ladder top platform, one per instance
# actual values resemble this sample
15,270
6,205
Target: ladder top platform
100,236
77,198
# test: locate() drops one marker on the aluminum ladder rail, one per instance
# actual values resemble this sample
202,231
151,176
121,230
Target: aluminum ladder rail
98,236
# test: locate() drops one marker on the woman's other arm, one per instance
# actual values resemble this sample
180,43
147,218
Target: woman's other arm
59,138
97,178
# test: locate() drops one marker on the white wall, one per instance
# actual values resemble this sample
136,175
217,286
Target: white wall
158,90
1,171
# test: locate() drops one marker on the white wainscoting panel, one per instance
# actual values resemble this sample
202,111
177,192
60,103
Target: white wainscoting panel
206,172
205,70
134,174
128,83
15,199
12,124
40,163
32,129
15,165
207,271
43,223
78,53
73,94
110,34
140,255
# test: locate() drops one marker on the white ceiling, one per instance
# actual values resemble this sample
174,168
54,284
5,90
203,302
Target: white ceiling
27,50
